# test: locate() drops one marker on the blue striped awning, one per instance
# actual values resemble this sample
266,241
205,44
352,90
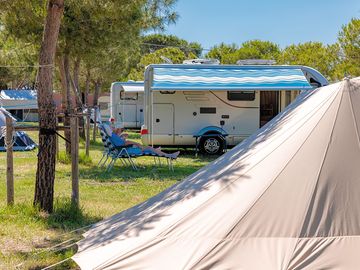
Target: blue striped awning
229,78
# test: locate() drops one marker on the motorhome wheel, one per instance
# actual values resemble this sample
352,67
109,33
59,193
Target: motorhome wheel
211,145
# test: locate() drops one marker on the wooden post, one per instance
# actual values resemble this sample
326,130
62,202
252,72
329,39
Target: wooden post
95,123
10,161
87,144
74,125
57,140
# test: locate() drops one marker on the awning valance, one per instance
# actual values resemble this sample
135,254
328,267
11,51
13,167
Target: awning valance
133,87
229,78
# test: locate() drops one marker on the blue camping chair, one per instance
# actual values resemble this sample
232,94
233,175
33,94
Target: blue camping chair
126,153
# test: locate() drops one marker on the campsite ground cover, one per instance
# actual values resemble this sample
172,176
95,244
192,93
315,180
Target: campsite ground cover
26,234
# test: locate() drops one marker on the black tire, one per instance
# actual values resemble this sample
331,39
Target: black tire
211,145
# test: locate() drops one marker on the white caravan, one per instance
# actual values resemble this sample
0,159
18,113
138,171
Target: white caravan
104,106
214,106
127,104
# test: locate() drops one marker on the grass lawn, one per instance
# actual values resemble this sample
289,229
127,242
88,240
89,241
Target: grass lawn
27,235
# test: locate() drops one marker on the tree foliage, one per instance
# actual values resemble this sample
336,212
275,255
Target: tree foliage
349,41
258,49
91,29
322,57
223,52
252,49
176,55
153,42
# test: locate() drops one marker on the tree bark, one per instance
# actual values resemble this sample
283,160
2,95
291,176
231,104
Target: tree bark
87,88
77,92
67,102
97,92
95,104
65,97
45,174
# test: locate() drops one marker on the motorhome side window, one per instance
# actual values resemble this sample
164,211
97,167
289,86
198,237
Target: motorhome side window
167,92
241,95
208,110
128,96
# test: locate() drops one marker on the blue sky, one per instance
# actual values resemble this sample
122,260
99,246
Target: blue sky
281,21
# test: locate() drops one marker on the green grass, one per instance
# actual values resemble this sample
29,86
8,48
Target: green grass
26,233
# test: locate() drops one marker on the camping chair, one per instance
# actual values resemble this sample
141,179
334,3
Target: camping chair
126,153
114,152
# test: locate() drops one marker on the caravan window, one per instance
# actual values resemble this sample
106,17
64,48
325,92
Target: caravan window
103,105
241,95
128,96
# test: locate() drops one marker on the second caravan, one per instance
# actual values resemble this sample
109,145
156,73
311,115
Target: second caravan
127,104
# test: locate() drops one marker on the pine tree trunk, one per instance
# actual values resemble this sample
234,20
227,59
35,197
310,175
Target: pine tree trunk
65,98
77,93
97,92
45,174
67,102
95,104
87,89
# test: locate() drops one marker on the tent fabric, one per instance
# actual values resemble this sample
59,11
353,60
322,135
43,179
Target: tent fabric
229,78
285,198
22,142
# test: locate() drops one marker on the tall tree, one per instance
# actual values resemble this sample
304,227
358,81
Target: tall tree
88,30
349,41
45,174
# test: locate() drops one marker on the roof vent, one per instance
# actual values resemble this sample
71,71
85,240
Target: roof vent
199,61
256,62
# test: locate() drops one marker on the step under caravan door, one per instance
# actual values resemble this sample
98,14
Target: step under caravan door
163,124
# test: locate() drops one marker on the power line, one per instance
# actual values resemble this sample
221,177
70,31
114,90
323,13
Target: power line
32,66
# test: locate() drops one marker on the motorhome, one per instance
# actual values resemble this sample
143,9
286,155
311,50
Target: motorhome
127,104
214,106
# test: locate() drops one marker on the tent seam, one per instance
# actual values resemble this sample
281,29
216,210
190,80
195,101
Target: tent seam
354,118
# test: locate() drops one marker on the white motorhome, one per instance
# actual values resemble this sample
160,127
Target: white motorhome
127,103
217,105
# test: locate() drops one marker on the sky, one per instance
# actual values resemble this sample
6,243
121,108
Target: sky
284,22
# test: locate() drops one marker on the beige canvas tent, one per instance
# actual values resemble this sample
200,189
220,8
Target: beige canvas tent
286,198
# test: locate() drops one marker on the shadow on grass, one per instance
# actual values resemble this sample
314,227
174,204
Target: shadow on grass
122,172
66,220
67,216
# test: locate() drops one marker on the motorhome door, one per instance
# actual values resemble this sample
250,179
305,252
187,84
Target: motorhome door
163,124
127,113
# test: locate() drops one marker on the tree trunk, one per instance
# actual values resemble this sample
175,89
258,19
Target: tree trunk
77,92
45,174
87,88
97,92
95,104
67,101
66,97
